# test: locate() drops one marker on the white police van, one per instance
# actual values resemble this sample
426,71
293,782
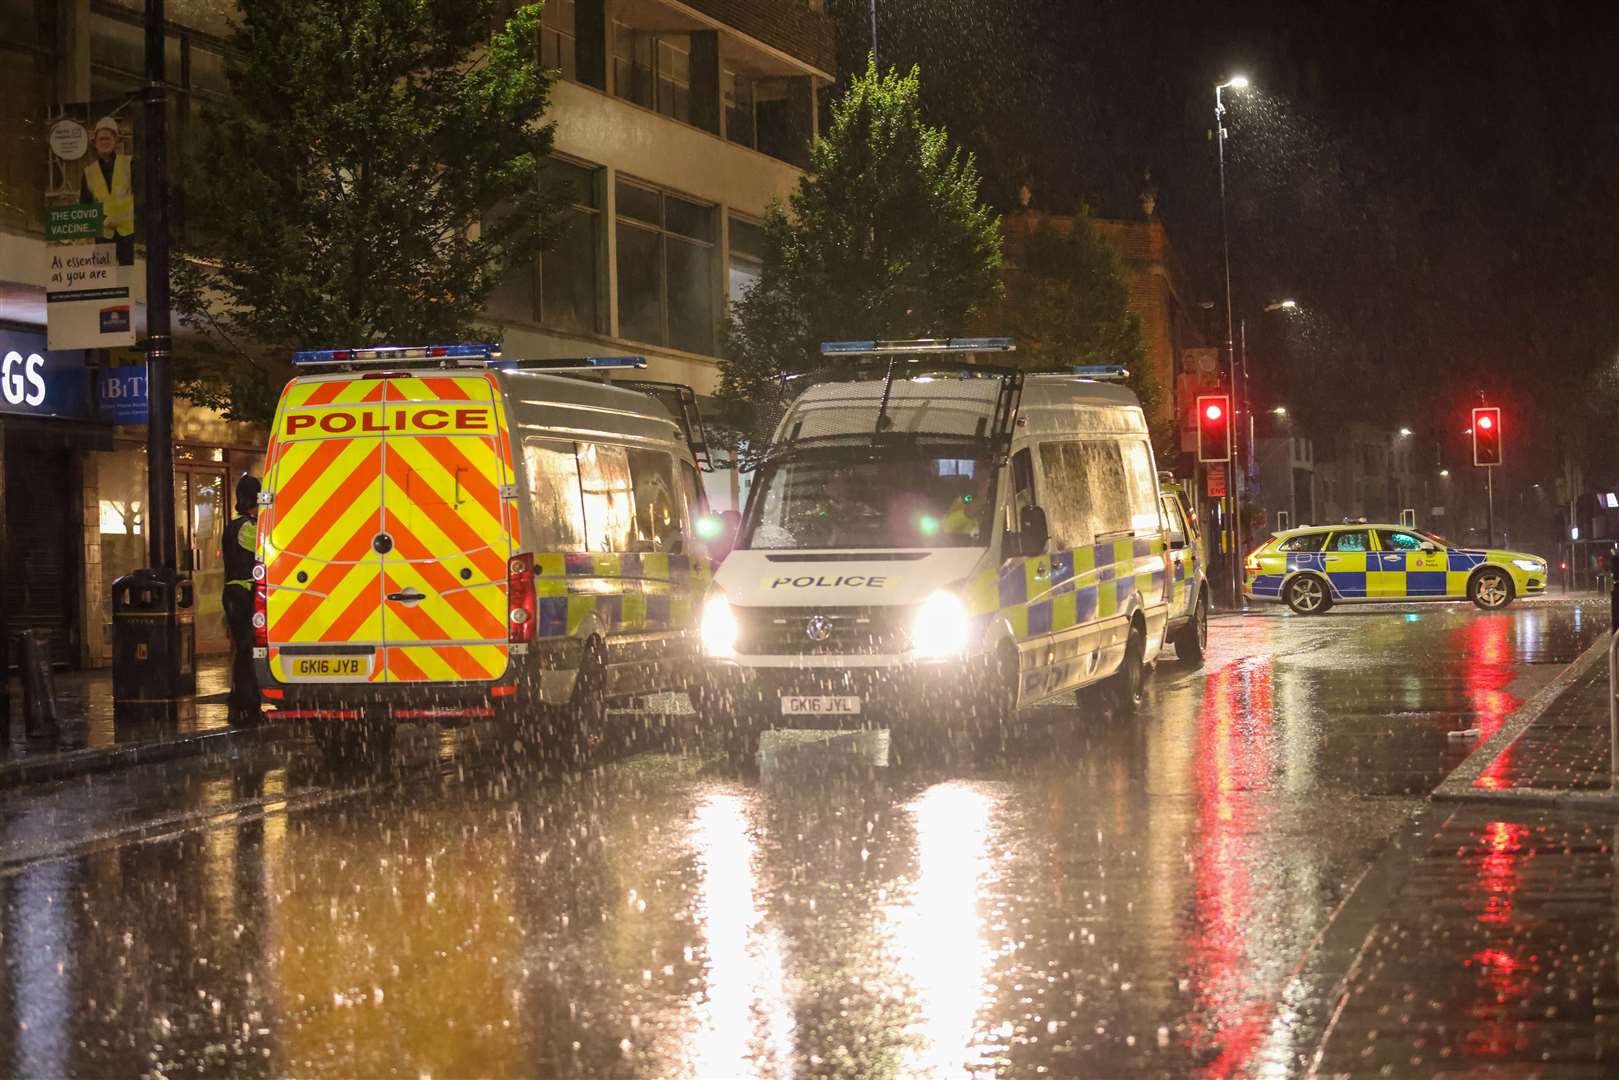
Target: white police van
931,541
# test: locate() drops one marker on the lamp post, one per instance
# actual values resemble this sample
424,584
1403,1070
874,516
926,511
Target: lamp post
1233,502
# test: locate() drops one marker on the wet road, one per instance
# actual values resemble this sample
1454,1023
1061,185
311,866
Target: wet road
1103,897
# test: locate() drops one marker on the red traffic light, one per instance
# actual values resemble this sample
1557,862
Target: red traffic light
1487,447
1213,427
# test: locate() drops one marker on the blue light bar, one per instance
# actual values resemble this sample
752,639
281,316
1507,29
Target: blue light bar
388,353
917,345
1101,371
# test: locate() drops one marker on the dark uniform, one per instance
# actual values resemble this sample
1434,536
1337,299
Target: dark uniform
241,536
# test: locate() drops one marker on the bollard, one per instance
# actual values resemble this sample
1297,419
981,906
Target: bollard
40,718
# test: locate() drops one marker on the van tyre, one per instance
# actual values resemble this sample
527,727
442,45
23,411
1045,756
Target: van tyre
994,706
1308,594
1127,687
1192,640
582,722
347,744
1490,589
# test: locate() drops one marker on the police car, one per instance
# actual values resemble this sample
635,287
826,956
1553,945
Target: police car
1312,568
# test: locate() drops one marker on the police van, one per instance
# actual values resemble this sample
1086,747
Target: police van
446,533
931,541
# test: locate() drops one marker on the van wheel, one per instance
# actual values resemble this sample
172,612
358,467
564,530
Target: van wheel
994,707
584,718
346,744
1193,639
1490,589
1308,595
1127,687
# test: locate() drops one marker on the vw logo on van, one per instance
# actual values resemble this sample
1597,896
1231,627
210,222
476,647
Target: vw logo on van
819,628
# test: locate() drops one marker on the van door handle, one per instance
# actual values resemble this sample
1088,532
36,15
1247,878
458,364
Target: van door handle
409,596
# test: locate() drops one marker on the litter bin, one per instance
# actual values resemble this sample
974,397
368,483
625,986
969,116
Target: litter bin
154,640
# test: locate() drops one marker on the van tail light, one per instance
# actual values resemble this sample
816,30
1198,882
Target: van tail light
1252,565
261,607
521,612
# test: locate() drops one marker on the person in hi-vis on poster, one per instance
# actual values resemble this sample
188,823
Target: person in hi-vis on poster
106,181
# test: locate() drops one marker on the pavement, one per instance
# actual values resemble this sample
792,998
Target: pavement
1252,878
93,736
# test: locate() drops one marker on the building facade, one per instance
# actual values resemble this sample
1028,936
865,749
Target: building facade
677,124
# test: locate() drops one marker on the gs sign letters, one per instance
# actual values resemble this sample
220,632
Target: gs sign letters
36,381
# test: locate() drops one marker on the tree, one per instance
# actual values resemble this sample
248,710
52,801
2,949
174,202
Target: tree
371,176
1069,303
885,237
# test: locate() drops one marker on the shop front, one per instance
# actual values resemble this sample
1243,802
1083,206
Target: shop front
73,495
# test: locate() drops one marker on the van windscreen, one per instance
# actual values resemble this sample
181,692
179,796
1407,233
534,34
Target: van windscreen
855,497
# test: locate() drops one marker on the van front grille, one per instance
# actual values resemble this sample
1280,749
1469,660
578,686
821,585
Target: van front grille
844,631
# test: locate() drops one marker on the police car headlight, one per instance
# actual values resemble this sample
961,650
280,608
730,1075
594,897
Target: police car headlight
718,627
941,628
1528,566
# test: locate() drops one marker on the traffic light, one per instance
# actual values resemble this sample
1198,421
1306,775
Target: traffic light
1487,436
1213,427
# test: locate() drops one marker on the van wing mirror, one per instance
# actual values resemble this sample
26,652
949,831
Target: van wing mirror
1033,533
1427,545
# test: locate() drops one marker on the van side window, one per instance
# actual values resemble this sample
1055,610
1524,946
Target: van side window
1143,484
696,497
660,518
553,489
604,480
1068,510
1174,524
1100,466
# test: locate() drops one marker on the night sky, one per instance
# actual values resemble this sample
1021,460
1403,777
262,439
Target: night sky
1436,184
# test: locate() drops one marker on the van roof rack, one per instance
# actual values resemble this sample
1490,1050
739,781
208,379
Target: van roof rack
919,361
917,345
467,355
681,401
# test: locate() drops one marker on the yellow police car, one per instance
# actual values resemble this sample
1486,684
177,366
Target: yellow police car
1312,568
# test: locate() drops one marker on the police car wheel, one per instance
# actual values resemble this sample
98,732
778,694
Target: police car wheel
1490,589
1308,595
1192,640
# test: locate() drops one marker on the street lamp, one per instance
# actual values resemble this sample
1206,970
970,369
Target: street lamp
1236,82
1280,410
1444,473
1405,433
1282,305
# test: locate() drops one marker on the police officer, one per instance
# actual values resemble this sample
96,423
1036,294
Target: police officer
241,536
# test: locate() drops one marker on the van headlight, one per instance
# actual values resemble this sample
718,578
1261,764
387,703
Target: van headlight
941,627
718,627
1529,566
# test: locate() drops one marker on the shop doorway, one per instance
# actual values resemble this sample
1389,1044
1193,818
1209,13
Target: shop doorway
42,567
201,511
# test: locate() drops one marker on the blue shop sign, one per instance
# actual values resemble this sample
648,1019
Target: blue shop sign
36,381
121,395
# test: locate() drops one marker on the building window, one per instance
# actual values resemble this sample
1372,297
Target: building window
747,258
665,269
653,70
737,91
557,37
569,281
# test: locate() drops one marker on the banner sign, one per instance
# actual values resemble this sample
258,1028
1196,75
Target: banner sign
1217,481
121,395
90,226
36,381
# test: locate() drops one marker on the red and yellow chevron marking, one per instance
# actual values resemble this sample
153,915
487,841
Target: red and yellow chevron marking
422,459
